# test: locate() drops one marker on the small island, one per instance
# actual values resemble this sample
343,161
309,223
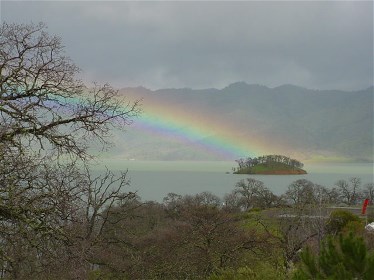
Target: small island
269,165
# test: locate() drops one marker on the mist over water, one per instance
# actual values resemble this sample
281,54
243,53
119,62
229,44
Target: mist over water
153,180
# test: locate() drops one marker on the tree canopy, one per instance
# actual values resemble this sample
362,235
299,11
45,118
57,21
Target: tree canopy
250,165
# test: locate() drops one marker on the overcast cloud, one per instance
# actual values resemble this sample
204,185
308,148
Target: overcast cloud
323,45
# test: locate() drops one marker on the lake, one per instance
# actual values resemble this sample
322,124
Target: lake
153,180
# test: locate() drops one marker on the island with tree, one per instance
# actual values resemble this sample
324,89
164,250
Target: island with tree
269,165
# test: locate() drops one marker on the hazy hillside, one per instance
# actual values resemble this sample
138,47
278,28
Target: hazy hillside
287,119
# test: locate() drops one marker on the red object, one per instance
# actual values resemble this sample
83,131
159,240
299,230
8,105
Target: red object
364,206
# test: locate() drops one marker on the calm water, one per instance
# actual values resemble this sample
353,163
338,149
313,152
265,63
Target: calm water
153,180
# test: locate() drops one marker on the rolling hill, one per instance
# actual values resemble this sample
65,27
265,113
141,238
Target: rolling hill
187,124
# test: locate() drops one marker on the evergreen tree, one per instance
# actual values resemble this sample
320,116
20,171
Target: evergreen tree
344,258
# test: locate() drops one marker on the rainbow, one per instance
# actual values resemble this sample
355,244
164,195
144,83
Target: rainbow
202,131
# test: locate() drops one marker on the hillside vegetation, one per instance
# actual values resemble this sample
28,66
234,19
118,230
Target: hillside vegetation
269,165
290,120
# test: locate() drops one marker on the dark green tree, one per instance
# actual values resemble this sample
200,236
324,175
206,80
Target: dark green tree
340,258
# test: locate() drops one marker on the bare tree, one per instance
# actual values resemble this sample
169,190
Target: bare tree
253,193
291,229
349,191
301,192
103,202
53,213
48,119
356,189
233,201
173,204
205,238
43,106
207,198
369,191
37,202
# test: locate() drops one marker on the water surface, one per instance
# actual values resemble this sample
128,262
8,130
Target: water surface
153,180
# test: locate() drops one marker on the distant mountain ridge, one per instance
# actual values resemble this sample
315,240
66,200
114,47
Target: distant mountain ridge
306,122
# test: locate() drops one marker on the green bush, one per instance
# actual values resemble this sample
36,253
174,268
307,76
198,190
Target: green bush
338,220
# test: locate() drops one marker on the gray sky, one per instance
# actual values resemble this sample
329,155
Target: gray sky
322,45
